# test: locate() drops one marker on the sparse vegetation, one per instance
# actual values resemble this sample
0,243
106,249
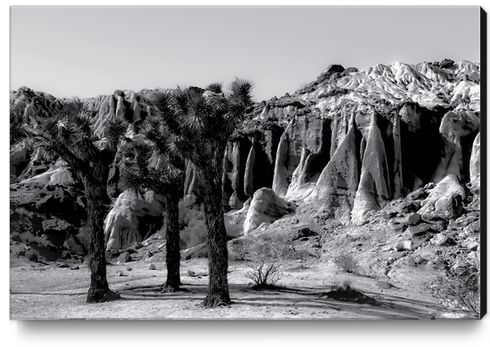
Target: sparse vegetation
266,255
347,263
459,290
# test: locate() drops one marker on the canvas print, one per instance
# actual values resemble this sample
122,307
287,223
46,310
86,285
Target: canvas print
259,163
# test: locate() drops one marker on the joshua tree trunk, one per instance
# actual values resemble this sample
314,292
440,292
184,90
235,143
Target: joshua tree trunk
99,288
218,292
173,247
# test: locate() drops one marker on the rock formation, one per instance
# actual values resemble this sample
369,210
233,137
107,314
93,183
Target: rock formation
475,164
374,189
132,219
265,207
444,200
336,187
346,143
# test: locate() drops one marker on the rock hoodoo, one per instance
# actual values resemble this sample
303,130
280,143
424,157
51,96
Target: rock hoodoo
133,219
265,207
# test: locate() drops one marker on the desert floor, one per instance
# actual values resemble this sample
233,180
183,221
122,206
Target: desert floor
45,291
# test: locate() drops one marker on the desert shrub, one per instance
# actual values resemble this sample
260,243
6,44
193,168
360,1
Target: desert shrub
266,255
459,290
347,263
32,254
336,285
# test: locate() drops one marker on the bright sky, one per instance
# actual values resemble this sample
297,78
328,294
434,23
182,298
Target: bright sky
88,51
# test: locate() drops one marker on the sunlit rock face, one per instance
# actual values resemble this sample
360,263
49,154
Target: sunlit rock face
444,200
336,187
355,139
374,189
132,219
475,164
265,207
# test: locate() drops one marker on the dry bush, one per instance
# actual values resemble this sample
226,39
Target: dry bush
264,273
267,255
459,290
347,263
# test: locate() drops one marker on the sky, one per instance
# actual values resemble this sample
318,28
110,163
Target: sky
88,51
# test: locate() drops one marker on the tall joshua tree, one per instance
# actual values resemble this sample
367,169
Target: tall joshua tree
201,123
149,163
69,135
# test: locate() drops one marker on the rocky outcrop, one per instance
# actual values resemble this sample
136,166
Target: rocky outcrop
336,187
132,219
249,161
19,158
347,142
314,147
475,164
265,207
458,129
374,189
445,200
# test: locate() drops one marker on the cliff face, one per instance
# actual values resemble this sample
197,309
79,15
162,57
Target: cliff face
349,142
354,140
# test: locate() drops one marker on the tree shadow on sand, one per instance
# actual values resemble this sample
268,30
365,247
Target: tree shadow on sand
367,304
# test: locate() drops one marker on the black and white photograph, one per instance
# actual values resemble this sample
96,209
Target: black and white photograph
247,163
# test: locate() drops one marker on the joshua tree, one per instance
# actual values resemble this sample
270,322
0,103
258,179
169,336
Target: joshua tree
69,135
149,164
201,122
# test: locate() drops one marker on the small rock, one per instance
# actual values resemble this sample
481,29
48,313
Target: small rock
119,273
418,194
414,219
398,227
407,245
472,256
473,227
410,206
418,259
403,246
152,267
417,230
428,255
129,268
123,258
439,240
75,267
